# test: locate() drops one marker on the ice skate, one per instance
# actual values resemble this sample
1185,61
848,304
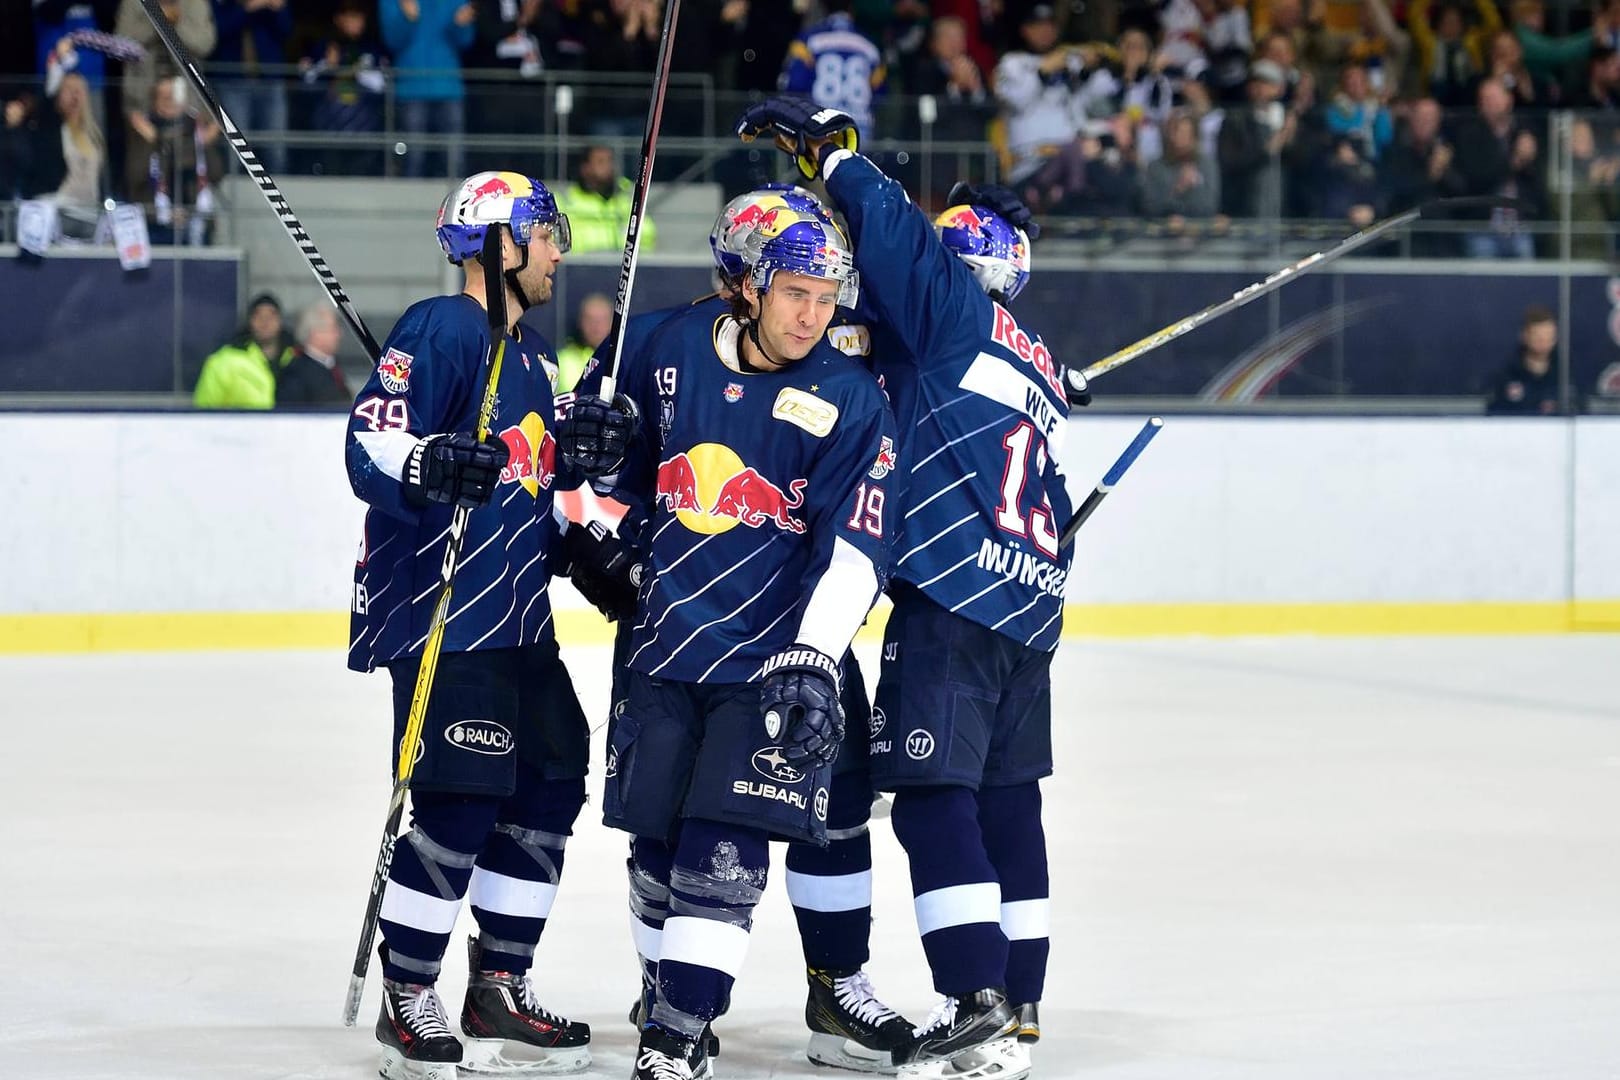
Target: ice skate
664,1055
850,1028
642,1006
417,1043
968,1038
510,1034
1029,1022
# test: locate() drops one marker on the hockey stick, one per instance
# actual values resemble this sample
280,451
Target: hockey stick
1110,478
495,299
1250,293
267,183
638,198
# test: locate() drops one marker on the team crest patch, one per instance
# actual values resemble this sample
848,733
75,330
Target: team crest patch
394,370
733,392
885,461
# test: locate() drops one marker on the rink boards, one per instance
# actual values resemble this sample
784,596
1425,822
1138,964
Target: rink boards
176,531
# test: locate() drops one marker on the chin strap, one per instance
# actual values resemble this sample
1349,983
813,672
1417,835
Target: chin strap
511,276
753,335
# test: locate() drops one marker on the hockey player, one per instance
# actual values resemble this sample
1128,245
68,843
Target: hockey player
837,66
962,721
830,887
503,752
767,543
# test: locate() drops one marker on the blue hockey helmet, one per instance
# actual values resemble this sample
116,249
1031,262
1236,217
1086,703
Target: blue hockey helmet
746,213
497,198
802,244
996,250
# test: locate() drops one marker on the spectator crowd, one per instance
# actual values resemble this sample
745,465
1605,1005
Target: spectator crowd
1189,112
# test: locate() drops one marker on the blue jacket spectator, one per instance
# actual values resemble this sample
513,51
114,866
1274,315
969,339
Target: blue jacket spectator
836,66
1356,113
427,38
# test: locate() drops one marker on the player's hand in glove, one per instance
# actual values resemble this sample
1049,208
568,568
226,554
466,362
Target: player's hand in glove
801,128
453,469
595,435
603,568
799,701
1003,201
1076,387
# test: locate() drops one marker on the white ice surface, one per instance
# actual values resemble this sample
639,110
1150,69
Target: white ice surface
1271,858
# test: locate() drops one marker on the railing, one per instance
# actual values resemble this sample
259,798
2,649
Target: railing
539,125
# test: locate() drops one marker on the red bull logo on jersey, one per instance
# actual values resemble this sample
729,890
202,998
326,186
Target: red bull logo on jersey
710,490
886,460
532,455
394,371
1006,333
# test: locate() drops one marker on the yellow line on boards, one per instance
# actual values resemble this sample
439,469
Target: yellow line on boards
194,631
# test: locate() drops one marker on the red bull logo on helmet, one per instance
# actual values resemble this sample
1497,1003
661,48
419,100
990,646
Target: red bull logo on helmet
710,490
394,371
963,217
531,455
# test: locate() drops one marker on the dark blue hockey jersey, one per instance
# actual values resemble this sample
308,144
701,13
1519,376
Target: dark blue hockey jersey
837,67
431,379
767,492
981,410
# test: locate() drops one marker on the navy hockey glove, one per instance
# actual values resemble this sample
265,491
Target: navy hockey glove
1003,201
796,123
453,469
595,435
603,568
800,703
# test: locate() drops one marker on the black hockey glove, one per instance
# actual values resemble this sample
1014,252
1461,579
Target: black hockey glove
603,568
1076,387
799,701
796,122
1003,201
453,469
595,435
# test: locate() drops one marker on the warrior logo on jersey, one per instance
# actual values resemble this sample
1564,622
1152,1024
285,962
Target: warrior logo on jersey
531,455
886,460
394,370
710,491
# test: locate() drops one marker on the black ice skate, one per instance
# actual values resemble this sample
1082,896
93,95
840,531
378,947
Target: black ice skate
415,1034
643,1007
1029,1022
850,1028
968,1038
664,1055
510,1034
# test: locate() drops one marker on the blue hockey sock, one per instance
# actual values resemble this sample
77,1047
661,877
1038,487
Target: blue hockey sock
515,879
427,880
649,865
831,887
958,898
717,880
1010,819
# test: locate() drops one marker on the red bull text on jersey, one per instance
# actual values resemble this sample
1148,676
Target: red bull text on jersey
756,484
982,414
431,380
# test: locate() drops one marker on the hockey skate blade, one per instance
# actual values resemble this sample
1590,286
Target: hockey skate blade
837,1052
1003,1059
507,1057
396,1066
